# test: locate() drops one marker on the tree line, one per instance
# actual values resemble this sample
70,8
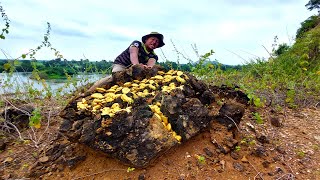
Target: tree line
60,68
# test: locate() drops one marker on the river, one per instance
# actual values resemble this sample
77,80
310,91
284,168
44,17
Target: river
21,82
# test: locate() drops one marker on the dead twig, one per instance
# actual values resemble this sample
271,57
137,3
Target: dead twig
47,127
237,55
233,122
16,129
259,173
283,161
6,122
26,112
316,105
268,52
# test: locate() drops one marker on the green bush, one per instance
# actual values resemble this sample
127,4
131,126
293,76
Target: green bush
308,24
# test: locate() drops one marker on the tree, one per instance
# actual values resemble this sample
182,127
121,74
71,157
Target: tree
308,24
313,4
282,48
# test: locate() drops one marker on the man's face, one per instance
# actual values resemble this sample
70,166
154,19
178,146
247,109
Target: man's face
152,43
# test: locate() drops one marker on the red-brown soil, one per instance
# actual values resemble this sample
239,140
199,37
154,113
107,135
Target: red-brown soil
264,151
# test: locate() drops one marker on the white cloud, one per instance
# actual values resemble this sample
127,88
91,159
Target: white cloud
102,29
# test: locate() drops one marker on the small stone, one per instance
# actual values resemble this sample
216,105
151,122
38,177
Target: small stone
223,163
279,170
260,151
302,171
298,115
251,127
281,150
244,159
188,155
238,167
275,121
263,139
309,171
208,152
8,160
270,173
44,159
276,159
230,142
222,149
142,177
265,164
235,155
182,177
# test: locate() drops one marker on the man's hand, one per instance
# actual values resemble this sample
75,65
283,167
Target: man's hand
146,66
151,62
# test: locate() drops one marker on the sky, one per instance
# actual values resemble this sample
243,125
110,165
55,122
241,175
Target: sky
236,30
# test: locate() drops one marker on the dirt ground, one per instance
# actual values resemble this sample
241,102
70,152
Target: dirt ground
285,146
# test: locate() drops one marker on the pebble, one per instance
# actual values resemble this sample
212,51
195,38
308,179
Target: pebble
223,163
235,155
252,128
208,152
44,159
182,177
265,164
244,159
275,121
238,167
141,177
279,170
260,151
270,173
188,155
281,150
263,139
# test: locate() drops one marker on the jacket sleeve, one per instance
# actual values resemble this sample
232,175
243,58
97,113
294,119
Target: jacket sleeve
136,44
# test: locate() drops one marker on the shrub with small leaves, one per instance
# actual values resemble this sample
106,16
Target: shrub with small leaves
257,117
35,119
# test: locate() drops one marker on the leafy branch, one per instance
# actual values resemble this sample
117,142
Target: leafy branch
5,18
45,43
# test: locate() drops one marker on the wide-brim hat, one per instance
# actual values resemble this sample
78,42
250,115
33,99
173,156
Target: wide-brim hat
154,34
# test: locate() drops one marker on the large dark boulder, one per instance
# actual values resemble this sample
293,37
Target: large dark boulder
140,113
18,116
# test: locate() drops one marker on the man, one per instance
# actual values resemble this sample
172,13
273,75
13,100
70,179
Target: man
137,53
140,53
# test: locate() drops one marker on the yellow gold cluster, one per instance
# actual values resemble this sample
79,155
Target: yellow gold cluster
163,81
155,108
